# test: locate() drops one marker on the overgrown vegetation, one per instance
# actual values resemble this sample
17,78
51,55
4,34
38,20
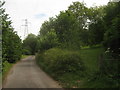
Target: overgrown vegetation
6,69
80,47
65,37
61,61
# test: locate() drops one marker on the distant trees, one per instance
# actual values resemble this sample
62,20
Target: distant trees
11,43
30,44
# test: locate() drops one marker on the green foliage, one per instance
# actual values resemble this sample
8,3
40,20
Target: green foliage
79,11
7,67
112,34
75,28
62,65
47,26
110,66
48,41
66,30
108,77
24,56
68,25
90,57
96,33
11,43
98,80
30,45
58,62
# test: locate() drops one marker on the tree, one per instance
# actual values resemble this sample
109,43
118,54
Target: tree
30,44
48,41
96,27
11,43
96,33
112,28
47,26
66,30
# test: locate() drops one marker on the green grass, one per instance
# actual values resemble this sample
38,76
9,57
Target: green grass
0,79
24,56
7,67
90,57
94,78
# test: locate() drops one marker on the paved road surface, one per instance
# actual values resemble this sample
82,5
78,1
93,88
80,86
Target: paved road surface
26,74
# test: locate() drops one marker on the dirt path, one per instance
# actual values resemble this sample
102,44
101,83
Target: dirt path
26,74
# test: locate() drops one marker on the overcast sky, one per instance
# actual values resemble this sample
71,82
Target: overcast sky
37,11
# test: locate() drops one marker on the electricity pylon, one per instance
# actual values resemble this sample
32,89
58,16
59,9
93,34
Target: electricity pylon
25,28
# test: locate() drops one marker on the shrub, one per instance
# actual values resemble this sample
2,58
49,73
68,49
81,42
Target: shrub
60,61
6,67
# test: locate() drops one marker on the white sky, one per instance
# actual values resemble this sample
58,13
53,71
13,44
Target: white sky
37,11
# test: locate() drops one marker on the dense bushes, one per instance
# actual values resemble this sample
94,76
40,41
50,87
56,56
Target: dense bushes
60,61
112,34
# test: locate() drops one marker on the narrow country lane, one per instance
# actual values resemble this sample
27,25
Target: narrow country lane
26,74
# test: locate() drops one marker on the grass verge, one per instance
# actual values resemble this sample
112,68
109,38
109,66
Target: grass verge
24,56
8,66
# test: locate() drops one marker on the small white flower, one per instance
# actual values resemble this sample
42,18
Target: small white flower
106,51
108,48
